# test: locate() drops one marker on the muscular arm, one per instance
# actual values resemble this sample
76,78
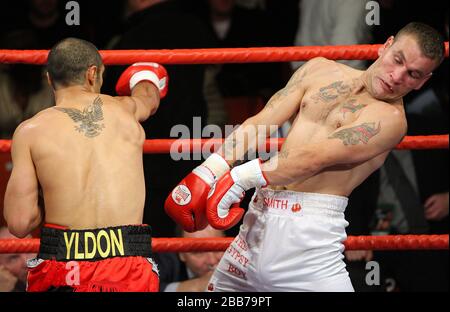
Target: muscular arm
143,102
21,210
254,131
377,130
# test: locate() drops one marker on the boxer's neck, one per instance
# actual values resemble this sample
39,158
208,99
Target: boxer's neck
68,94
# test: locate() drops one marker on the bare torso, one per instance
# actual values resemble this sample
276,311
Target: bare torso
89,163
332,99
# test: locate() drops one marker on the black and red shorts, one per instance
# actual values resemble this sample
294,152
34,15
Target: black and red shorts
105,259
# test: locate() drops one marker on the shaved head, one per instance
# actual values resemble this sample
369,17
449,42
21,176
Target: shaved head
69,60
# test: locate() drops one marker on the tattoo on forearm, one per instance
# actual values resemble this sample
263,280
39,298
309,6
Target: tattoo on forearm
351,107
234,142
88,118
228,147
359,134
283,154
297,78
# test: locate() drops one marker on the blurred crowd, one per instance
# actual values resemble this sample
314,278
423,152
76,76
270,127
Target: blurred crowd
228,94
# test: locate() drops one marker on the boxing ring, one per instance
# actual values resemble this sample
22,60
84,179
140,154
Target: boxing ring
162,146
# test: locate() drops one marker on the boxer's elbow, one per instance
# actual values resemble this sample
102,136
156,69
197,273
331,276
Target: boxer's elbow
308,164
21,221
20,226
18,229
293,166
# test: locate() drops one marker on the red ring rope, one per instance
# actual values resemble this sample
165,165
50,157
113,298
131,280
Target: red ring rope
163,146
212,56
384,242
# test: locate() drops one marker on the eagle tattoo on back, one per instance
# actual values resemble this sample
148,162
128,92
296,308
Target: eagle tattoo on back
88,118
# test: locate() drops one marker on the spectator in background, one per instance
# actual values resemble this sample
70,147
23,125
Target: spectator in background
284,13
414,200
228,86
436,207
188,271
427,114
47,18
286,16
23,88
395,13
426,171
337,22
13,267
360,210
102,27
159,24
244,87
24,92
234,26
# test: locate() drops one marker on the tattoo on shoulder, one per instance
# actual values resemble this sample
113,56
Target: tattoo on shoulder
298,77
359,134
291,86
274,99
87,120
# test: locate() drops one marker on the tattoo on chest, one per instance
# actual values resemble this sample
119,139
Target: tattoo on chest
332,92
87,120
359,134
351,107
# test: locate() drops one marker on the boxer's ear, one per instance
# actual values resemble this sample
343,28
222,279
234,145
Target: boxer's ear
91,75
386,45
49,81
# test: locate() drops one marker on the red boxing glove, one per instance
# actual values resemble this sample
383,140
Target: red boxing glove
222,208
137,72
186,204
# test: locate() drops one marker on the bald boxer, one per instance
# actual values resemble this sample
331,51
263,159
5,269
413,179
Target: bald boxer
86,156
346,122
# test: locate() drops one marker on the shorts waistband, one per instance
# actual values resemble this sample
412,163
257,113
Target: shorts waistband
292,202
58,243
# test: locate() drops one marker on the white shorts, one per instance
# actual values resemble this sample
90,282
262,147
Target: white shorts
289,241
